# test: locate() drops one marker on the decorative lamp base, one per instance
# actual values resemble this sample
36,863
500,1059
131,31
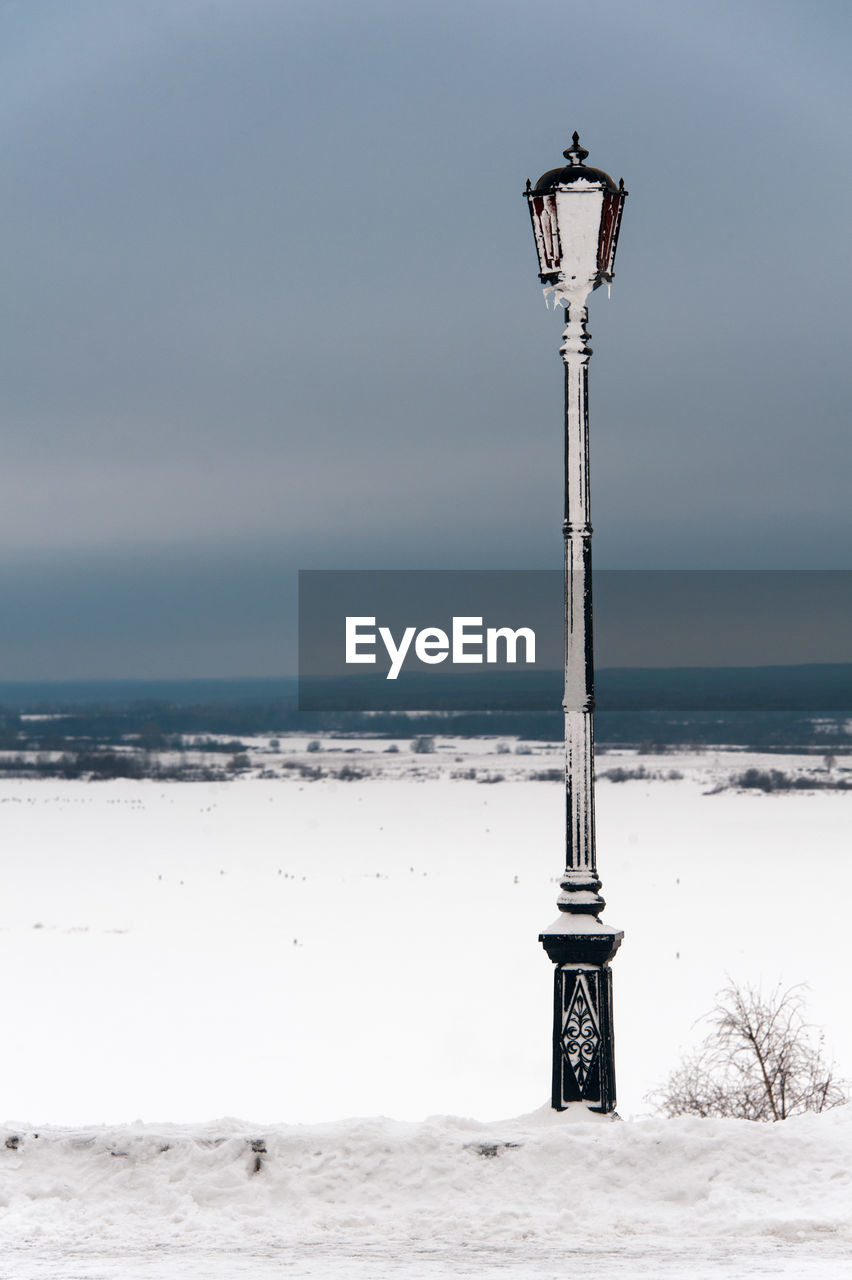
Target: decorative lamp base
583,1049
583,1038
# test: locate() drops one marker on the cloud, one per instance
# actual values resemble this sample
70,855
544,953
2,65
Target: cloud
273,280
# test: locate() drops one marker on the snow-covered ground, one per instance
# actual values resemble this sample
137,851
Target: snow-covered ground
373,1198
297,951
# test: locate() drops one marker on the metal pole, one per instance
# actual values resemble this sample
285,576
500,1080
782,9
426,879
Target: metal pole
580,883
580,945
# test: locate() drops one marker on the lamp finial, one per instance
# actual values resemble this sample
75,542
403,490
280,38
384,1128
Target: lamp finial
575,153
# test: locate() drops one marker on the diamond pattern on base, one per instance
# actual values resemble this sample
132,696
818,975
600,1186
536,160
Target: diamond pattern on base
580,1035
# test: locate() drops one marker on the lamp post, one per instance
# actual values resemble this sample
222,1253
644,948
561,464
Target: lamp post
576,214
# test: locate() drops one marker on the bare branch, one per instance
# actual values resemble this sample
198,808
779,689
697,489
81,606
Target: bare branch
760,1061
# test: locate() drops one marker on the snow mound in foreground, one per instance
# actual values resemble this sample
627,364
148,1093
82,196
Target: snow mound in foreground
538,1179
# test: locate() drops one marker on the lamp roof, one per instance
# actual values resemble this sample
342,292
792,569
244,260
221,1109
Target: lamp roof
574,171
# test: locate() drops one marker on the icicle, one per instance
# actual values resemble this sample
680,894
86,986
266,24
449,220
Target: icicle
608,290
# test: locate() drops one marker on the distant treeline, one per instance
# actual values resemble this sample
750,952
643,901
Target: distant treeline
155,725
103,765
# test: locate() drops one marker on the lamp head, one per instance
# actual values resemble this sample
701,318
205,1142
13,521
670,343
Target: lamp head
576,215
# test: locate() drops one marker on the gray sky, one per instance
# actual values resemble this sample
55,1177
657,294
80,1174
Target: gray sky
271,303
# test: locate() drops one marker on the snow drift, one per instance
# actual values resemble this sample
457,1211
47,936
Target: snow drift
538,1181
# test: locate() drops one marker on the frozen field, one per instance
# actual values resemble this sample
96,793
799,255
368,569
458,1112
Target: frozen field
293,952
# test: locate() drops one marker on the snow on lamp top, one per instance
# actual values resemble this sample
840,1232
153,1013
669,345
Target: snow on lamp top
576,214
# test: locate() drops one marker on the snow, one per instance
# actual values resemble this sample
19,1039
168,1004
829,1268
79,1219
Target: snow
578,924
298,953
442,1197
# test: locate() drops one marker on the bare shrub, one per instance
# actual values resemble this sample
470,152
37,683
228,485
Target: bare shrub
775,780
346,773
312,773
620,774
760,1061
422,746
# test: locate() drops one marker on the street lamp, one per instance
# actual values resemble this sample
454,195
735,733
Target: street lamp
576,214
